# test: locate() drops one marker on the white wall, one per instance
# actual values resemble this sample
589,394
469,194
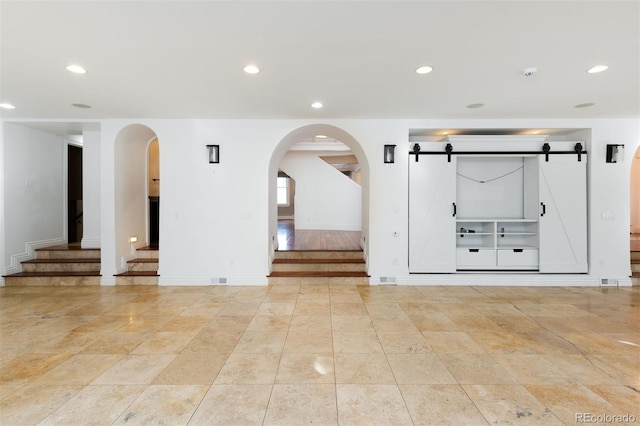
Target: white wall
325,198
91,189
215,218
34,193
2,267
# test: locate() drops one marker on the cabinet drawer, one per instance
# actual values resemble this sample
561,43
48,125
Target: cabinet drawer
518,257
476,257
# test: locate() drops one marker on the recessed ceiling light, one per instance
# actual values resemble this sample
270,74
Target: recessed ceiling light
424,69
251,69
76,69
321,136
445,133
316,105
84,106
7,106
584,105
475,106
535,132
597,69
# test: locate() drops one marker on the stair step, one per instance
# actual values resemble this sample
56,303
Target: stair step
318,274
137,278
139,265
48,279
318,280
148,253
64,252
319,254
635,255
61,265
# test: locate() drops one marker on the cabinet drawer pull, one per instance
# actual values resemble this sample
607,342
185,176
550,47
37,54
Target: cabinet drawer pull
474,250
517,250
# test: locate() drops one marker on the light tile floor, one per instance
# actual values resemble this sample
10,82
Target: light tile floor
292,355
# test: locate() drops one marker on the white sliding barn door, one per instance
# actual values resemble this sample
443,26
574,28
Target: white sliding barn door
432,224
563,214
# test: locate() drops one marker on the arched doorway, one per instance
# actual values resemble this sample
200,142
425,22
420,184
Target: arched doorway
306,133
135,169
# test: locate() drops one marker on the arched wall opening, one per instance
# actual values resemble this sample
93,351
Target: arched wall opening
279,152
131,191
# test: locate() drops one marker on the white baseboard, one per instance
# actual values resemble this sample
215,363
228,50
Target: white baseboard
530,280
90,243
201,282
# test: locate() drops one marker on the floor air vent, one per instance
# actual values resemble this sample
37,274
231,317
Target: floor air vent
608,282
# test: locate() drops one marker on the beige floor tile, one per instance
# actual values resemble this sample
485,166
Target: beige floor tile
534,370
95,405
229,323
306,368
584,369
186,323
352,323
624,398
214,341
117,343
163,404
312,308
514,323
500,342
477,369
510,404
144,324
165,342
31,404
104,323
371,405
134,370
601,344
240,309
363,369
568,402
342,308
302,404
401,323
256,342
624,367
6,390
81,369
248,369
356,342
397,342
451,342
276,308
311,323
419,369
299,341
72,342
192,368
269,323
24,368
203,309
440,405
431,322
233,405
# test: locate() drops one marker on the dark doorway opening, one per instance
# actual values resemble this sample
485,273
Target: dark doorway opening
74,194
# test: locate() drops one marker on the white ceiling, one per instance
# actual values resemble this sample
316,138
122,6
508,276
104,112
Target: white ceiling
184,59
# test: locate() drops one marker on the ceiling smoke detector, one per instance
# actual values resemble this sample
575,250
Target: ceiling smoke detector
528,72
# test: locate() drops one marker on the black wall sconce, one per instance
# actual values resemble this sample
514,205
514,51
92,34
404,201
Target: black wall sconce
389,154
615,153
214,154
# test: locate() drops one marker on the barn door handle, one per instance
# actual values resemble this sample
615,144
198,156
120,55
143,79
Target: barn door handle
544,209
454,209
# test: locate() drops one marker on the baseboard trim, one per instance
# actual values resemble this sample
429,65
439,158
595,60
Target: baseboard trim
512,280
201,282
90,243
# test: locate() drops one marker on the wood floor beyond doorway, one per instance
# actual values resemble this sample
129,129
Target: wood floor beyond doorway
290,239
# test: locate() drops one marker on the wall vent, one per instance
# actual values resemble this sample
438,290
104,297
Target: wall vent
218,280
388,280
608,282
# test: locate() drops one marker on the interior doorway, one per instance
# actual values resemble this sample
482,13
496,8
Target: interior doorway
331,199
74,194
153,190
634,202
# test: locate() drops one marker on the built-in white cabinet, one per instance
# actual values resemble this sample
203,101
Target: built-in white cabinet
502,212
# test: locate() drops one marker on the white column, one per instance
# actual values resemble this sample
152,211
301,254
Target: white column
91,189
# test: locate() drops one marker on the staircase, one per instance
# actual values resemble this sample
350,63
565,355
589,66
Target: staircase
64,265
308,267
635,267
143,270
